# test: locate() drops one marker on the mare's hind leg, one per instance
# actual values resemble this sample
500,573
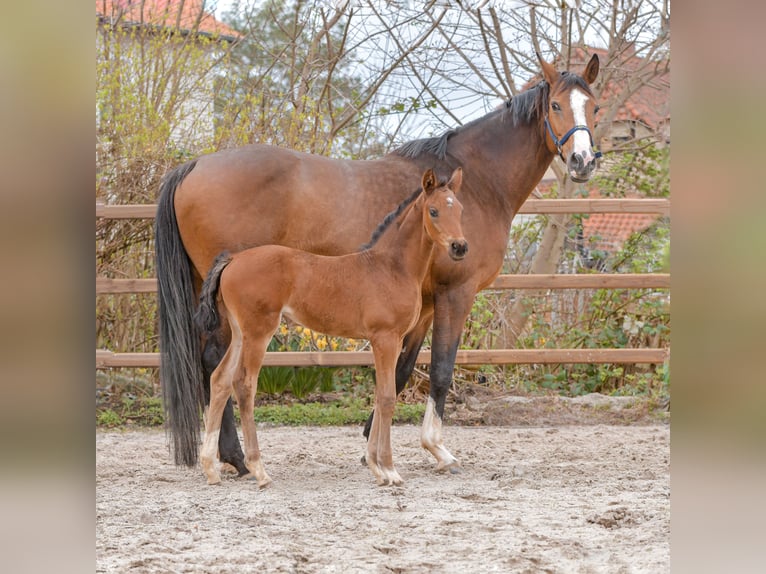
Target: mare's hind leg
229,449
450,312
405,364
221,383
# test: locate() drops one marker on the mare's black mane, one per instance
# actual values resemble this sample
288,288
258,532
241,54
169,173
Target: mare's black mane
524,108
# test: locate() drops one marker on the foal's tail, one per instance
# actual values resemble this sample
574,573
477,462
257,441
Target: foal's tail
207,317
180,354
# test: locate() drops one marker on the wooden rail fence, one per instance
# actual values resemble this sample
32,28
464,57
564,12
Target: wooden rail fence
108,359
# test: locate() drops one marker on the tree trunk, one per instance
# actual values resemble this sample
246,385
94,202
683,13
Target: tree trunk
545,261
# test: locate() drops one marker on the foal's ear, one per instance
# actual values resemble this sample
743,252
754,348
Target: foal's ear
591,70
456,180
549,71
429,181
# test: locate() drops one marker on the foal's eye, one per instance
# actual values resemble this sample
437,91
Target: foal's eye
595,110
555,107
433,212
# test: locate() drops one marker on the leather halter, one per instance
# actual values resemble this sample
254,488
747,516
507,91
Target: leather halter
560,142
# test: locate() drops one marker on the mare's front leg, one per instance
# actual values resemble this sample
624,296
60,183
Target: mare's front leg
229,448
451,309
379,452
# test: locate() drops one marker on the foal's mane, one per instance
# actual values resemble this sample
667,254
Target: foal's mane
389,219
524,108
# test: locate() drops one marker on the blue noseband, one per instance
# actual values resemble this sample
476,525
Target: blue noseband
560,142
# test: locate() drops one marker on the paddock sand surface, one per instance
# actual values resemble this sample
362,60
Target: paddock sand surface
581,499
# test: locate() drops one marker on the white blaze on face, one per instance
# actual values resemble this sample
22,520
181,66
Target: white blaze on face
581,143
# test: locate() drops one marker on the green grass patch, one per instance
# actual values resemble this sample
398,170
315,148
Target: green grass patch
337,413
109,419
142,411
148,412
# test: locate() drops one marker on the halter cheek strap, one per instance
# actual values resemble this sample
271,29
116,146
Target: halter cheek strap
559,143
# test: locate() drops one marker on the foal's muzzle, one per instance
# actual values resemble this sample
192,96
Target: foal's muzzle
458,248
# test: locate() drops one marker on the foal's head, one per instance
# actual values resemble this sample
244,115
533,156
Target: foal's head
442,213
570,118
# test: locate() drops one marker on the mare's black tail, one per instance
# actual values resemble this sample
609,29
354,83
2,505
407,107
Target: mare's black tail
180,353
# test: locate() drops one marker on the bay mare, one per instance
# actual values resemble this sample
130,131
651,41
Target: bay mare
259,194
373,294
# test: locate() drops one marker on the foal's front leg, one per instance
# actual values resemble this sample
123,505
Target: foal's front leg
379,453
407,358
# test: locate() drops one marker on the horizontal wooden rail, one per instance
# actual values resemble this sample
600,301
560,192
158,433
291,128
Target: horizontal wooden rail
146,211
531,206
536,206
108,359
576,281
583,281
105,285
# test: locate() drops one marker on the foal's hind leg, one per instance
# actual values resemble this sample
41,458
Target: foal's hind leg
254,349
229,449
220,392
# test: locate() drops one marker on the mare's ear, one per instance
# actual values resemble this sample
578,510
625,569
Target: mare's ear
549,71
456,180
429,181
591,70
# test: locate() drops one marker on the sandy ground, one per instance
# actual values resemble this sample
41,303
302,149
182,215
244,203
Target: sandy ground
581,499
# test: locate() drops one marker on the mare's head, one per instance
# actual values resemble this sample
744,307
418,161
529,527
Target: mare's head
570,118
442,212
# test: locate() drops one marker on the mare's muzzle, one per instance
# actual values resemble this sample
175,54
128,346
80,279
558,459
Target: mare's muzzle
580,169
458,248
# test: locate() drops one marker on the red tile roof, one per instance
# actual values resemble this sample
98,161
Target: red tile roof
649,104
606,231
609,231
183,14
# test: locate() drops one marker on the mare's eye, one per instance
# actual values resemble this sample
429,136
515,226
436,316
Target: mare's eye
555,107
595,110
433,212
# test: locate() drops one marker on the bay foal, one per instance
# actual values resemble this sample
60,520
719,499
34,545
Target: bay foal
372,294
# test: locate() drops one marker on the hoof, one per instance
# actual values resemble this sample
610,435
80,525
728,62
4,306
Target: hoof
453,467
227,468
389,482
214,481
392,480
263,483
